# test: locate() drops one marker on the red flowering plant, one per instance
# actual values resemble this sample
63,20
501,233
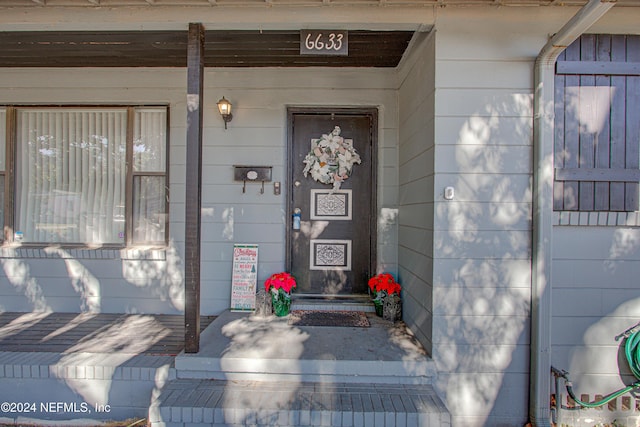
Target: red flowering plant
382,285
280,285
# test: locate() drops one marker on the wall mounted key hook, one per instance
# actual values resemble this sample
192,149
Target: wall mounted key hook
251,174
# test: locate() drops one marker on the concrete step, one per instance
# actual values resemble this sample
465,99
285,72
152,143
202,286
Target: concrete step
313,370
200,403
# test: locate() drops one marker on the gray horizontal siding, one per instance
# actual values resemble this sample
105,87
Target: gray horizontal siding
595,297
152,281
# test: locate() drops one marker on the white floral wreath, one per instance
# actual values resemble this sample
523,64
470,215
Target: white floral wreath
331,159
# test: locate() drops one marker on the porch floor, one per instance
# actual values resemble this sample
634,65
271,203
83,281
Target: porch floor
249,371
149,334
65,365
239,346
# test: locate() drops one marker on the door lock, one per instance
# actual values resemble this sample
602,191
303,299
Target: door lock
297,214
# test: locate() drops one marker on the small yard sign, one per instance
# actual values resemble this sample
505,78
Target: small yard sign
245,275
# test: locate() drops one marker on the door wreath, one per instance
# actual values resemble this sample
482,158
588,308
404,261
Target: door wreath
331,159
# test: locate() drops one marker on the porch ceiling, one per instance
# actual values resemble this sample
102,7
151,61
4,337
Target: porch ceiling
223,48
169,49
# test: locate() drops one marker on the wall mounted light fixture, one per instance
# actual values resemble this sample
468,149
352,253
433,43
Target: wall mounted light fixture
224,106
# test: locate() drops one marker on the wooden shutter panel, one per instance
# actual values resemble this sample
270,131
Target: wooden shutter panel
597,124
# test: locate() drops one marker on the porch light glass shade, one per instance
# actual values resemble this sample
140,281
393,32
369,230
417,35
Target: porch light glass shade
224,107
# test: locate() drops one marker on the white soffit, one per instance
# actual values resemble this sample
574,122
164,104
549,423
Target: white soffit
296,3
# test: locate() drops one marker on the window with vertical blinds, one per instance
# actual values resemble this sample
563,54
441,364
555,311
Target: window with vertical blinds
149,175
74,183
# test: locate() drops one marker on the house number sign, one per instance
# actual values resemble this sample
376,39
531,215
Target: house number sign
324,42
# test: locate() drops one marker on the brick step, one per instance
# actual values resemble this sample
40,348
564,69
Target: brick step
80,366
200,403
92,386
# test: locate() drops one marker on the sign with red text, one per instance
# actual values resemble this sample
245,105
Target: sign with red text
245,277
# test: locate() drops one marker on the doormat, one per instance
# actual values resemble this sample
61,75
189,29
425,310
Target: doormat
353,319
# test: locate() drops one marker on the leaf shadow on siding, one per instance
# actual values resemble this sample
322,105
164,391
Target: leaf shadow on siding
586,334
482,292
147,278
598,353
18,274
162,277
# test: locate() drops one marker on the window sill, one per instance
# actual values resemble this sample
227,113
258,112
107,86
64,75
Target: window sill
597,219
37,251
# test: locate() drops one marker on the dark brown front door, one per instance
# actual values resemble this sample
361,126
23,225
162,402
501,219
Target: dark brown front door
331,249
